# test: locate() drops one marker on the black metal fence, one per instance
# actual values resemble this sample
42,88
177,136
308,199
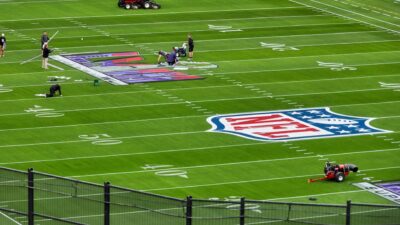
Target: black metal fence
37,198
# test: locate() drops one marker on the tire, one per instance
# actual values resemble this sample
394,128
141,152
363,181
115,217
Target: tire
147,5
155,6
339,177
127,6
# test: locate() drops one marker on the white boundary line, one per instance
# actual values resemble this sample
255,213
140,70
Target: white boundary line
360,21
356,13
11,219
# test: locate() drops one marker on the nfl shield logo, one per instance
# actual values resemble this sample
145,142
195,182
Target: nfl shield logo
289,125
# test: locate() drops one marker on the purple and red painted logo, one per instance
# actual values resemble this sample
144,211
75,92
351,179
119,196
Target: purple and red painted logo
122,68
294,124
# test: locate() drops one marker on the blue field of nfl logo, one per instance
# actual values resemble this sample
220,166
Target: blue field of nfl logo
296,124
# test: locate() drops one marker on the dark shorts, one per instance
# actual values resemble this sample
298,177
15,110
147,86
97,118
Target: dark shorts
191,48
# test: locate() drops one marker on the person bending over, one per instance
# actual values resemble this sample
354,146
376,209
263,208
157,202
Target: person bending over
53,89
171,58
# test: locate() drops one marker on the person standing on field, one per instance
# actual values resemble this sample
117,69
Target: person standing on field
45,53
191,46
45,39
2,45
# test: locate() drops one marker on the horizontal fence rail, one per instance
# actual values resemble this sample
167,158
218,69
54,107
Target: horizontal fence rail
37,198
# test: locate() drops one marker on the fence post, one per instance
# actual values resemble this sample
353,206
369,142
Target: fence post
31,197
348,213
289,211
242,211
189,210
107,203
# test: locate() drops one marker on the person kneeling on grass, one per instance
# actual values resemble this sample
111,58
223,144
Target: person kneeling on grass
171,58
53,89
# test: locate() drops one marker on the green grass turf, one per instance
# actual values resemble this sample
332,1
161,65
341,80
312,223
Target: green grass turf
165,123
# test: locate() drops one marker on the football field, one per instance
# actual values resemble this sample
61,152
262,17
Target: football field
268,57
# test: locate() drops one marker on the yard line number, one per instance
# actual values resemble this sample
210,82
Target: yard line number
40,111
278,47
335,66
249,206
394,86
223,29
4,89
166,170
100,139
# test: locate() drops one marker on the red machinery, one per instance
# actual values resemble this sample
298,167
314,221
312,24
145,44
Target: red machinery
336,172
137,4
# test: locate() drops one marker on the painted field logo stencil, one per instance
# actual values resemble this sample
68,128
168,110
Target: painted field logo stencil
122,68
295,124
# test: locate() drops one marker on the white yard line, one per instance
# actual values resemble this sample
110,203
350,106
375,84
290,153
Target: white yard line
81,140
158,13
54,66
204,185
32,2
222,73
203,30
252,181
171,22
215,40
240,163
315,195
254,48
215,86
141,136
136,153
169,118
41,72
303,68
197,101
302,57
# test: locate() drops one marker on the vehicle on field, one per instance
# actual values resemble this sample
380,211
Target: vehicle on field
138,4
337,172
